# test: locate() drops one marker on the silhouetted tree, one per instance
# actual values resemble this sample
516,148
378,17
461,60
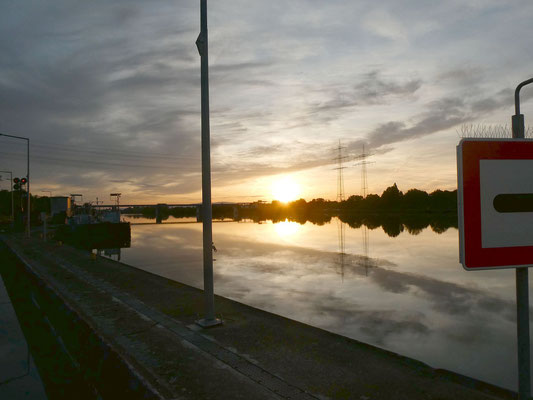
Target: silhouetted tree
443,200
415,199
371,202
391,197
392,226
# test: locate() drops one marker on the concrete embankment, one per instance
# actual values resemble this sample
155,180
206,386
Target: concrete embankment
131,334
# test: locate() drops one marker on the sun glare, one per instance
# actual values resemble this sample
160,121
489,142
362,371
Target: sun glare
286,228
285,190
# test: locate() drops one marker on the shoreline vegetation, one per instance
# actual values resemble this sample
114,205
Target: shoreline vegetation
393,210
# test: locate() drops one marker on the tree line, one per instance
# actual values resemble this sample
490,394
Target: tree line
38,204
318,211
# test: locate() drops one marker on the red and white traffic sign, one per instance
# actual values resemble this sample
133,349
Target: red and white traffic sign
495,203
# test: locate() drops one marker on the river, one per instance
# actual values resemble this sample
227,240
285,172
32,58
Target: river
404,292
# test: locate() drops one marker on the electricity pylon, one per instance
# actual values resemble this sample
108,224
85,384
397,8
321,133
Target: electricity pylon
363,163
340,177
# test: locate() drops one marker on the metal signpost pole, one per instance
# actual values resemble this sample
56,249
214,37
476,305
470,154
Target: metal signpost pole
202,45
522,283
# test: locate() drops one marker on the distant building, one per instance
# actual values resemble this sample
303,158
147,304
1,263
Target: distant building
59,204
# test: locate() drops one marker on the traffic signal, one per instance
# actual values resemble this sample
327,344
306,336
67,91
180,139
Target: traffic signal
23,181
16,180
16,185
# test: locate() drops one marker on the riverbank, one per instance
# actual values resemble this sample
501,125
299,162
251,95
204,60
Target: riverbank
146,323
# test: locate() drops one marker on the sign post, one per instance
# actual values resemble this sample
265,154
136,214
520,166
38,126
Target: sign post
522,283
495,207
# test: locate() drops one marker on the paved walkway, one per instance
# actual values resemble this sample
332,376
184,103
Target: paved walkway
254,355
19,378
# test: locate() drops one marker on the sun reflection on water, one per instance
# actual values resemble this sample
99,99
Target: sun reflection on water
286,228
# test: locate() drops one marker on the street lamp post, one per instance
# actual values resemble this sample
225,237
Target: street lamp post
12,204
27,175
207,213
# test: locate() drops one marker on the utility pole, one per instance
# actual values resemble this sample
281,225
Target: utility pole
27,177
12,203
207,213
522,283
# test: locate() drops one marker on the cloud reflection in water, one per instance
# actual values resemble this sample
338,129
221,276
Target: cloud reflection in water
411,298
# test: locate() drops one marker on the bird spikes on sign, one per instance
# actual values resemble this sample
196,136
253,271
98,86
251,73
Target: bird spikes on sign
482,131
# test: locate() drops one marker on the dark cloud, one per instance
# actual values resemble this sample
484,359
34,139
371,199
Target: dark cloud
374,89
440,115
462,76
240,67
371,89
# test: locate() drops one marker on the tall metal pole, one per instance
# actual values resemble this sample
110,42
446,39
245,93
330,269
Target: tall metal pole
207,216
28,191
522,284
27,176
12,205
12,202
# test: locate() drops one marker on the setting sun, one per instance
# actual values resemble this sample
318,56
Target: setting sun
285,190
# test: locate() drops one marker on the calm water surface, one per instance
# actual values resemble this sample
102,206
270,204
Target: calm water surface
407,294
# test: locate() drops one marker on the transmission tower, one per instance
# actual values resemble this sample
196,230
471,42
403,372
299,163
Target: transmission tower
340,177
363,163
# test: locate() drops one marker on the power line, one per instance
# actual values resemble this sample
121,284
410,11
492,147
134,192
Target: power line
114,154
93,162
99,150
104,150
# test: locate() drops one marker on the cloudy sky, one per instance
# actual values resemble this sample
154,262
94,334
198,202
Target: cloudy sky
109,92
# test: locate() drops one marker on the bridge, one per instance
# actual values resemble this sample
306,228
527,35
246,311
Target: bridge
159,206
166,205
149,205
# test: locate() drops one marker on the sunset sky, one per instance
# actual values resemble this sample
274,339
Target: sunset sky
109,93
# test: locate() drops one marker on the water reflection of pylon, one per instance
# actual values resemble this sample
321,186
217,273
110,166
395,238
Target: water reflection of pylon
341,228
366,259
343,258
